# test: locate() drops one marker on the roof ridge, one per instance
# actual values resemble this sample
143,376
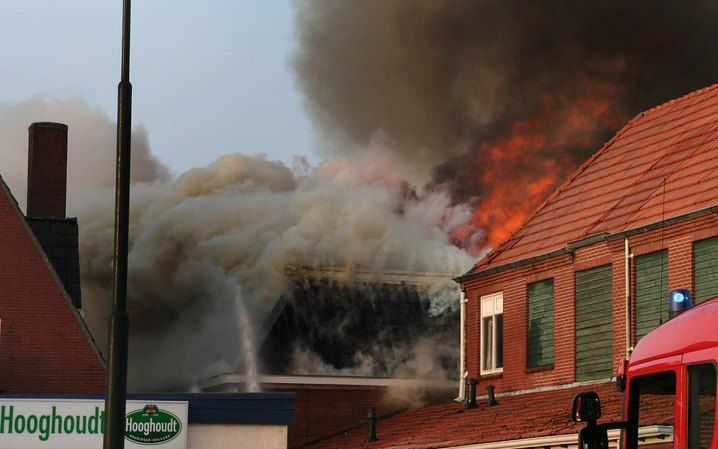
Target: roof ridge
682,98
558,190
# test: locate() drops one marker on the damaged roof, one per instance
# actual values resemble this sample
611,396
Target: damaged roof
363,327
661,165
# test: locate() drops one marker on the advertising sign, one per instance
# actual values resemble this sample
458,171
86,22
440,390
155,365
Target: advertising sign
80,424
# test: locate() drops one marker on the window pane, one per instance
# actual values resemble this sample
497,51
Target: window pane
488,331
653,399
651,287
705,269
499,341
594,324
701,405
539,332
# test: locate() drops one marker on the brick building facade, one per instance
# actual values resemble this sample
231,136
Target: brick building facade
642,209
555,308
45,346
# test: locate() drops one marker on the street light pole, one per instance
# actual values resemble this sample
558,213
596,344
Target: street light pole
118,331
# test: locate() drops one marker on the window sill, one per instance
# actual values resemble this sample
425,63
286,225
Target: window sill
535,369
491,375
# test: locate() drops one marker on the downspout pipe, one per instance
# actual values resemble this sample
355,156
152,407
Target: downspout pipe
462,347
628,257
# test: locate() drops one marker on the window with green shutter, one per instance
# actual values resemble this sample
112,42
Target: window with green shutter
705,269
594,328
651,291
539,337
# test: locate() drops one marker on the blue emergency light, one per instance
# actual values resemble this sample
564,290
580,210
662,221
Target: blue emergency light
679,301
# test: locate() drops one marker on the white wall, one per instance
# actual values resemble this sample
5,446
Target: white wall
236,436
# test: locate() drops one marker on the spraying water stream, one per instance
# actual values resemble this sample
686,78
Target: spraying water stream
249,345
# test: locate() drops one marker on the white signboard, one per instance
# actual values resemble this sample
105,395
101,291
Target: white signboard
80,424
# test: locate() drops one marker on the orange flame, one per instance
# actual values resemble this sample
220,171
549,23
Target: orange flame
518,170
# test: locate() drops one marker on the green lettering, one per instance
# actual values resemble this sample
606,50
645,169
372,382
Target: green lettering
69,425
20,423
94,422
31,424
81,429
56,421
6,418
44,427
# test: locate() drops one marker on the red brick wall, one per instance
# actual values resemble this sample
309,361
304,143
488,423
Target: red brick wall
43,346
677,238
325,411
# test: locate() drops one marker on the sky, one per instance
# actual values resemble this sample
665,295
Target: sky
209,78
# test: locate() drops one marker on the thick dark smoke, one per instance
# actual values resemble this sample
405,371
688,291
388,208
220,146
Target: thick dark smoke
454,82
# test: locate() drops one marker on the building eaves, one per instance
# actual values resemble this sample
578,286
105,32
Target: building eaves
572,246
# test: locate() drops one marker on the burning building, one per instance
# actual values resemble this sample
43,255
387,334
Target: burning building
220,250
554,308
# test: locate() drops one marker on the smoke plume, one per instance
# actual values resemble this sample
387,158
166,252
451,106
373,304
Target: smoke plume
91,143
499,100
237,224
210,247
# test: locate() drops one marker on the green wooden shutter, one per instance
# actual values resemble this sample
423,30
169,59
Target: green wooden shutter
539,347
705,269
651,291
594,328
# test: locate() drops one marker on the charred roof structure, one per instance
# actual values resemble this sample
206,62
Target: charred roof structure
341,316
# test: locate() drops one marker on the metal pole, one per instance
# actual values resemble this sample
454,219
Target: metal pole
116,386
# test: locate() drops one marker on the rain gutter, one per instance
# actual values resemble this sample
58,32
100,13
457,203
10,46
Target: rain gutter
569,248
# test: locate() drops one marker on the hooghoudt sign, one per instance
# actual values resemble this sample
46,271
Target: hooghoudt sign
80,424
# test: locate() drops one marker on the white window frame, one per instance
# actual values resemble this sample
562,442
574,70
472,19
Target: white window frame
491,306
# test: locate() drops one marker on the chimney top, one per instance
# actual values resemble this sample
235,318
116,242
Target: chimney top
49,125
47,170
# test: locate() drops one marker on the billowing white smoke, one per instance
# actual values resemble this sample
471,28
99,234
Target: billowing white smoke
200,238
241,221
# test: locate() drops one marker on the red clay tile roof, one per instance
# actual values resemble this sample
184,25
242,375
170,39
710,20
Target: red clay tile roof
516,417
662,164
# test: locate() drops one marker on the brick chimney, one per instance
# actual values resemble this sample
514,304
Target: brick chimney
47,170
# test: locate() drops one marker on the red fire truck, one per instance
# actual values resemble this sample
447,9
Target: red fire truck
671,376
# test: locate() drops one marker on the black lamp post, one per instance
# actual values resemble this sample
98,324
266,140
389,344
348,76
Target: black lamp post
116,385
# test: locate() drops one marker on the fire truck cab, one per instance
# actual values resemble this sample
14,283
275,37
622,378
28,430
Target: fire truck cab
670,380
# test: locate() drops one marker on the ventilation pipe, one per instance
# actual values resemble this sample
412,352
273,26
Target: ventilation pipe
462,347
372,426
471,400
492,396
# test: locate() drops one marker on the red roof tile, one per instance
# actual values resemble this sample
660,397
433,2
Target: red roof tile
516,417
662,164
